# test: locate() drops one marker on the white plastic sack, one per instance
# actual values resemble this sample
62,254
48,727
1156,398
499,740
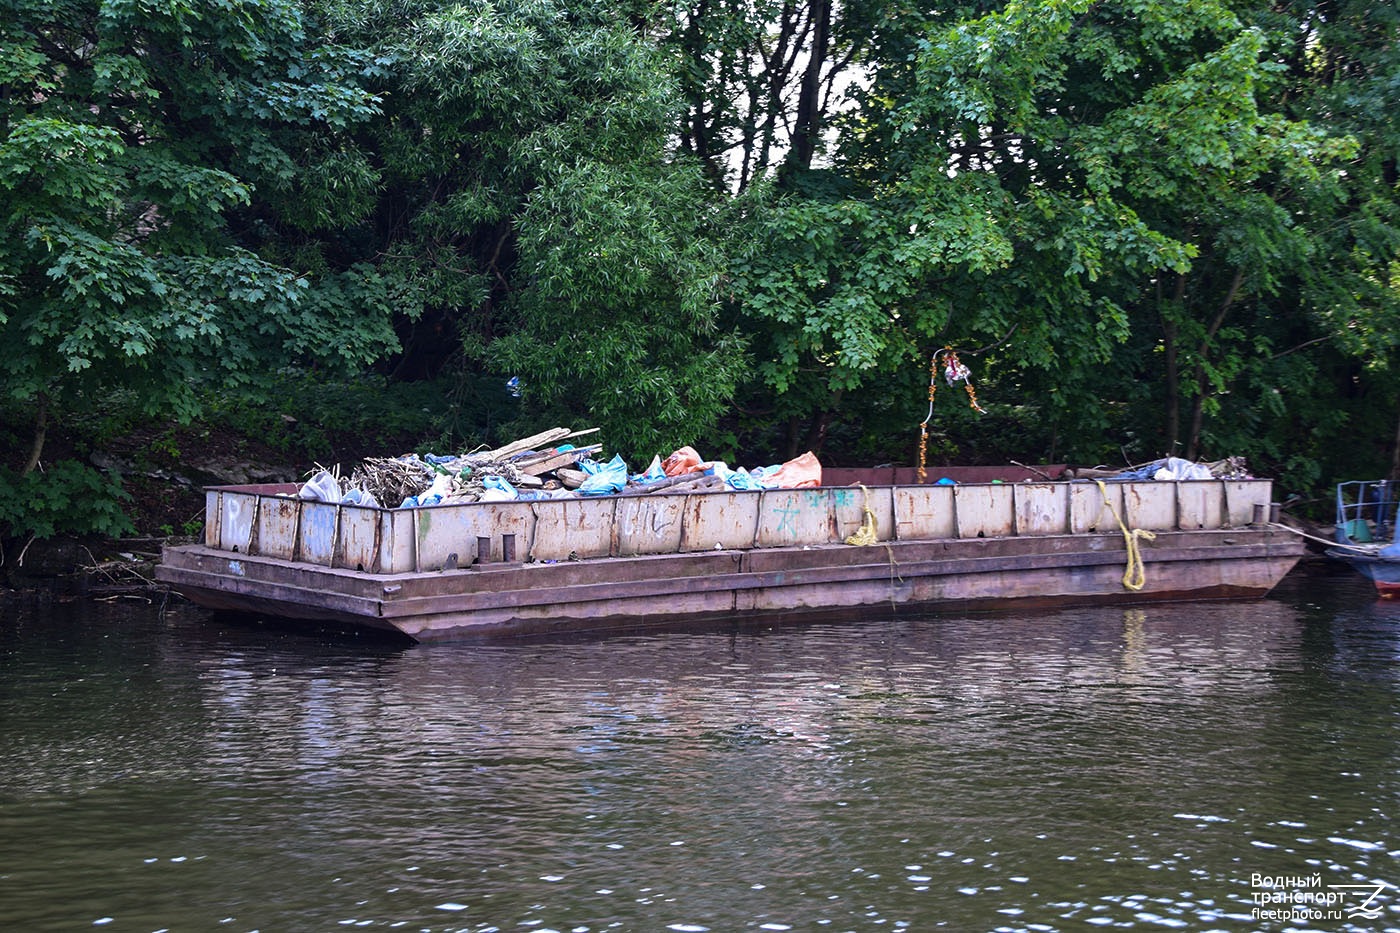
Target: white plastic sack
323,487
1177,468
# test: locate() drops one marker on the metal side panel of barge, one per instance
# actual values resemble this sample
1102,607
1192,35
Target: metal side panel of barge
496,599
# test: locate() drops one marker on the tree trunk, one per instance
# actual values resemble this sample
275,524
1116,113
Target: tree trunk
816,432
1193,442
1172,375
41,430
794,431
807,126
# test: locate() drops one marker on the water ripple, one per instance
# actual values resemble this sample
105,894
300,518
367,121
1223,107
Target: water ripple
1053,771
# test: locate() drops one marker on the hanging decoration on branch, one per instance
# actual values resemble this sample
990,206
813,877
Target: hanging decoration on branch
954,371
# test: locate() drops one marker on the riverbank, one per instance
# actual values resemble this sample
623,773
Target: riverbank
163,469
140,482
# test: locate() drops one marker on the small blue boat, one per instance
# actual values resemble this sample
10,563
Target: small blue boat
1366,532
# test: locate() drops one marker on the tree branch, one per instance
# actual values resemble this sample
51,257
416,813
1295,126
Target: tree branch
41,430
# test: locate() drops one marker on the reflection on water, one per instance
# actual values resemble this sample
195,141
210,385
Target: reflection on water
1119,768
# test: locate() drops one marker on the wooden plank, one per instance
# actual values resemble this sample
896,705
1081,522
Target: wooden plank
570,479
581,433
670,484
550,460
686,483
544,438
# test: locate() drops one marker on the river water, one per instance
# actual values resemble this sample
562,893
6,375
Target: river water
1191,766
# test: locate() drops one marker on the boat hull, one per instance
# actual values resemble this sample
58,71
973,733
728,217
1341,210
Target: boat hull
1365,522
1382,572
493,600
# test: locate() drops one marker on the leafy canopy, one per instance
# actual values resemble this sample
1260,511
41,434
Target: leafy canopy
132,135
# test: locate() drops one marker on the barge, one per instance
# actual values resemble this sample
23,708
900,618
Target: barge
981,538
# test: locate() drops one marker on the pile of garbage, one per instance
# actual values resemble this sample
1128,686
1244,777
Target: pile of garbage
1168,468
544,466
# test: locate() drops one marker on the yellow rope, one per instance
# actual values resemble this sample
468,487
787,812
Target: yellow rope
1134,577
923,428
867,534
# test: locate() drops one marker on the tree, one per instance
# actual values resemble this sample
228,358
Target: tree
1043,173
1340,68
131,136
528,199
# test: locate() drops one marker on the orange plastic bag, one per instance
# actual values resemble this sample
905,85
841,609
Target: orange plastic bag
801,471
683,461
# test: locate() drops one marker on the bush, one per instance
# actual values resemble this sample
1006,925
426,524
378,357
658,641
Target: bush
68,497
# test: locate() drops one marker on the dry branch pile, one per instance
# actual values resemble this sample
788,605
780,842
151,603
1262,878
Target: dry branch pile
527,463
540,466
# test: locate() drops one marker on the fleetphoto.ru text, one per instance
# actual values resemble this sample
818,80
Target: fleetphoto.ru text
1306,898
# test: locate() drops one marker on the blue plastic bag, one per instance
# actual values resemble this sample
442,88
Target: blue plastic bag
653,474
739,479
498,490
603,478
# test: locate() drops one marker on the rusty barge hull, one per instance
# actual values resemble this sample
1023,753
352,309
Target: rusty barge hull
656,590
527,568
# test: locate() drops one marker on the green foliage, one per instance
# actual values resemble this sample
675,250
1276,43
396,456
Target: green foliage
1056,181
1149,226
312,416
618,325
530,212
130,135
66,498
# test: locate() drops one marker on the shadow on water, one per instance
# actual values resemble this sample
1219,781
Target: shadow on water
351,635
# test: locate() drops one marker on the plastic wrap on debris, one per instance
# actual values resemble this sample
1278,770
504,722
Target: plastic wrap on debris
498,490
539,467
603,478
323,487
685,460
797,473
653,472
